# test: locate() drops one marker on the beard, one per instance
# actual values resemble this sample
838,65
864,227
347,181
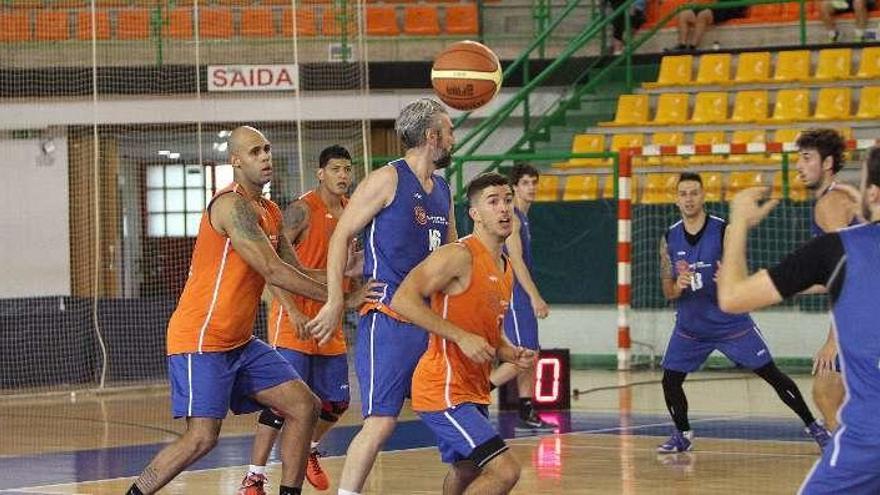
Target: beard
444,160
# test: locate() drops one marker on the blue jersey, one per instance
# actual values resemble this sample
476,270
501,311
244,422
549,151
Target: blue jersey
525,238
403,233
815,229
858,337
698,314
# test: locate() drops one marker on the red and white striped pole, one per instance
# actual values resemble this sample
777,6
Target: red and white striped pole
624,256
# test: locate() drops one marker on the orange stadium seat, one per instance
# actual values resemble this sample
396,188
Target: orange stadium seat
737,181
765,13
869,103
710,108
792,65
659,189
834,64
791,105
631,110
675,70
132,24
672,108
587,143
333,21
84,25
581,188
833,104
179,23
869,64
752,67
708,138
257,22
382,21
52,25
714,69
796,189
548,188
305,22
215,23
462,19
14,26
750,106
666,139
421,20
712,182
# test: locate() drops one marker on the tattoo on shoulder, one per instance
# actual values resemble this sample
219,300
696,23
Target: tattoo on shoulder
295,215
285,249
245,220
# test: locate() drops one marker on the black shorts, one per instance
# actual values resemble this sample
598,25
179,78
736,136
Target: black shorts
720,16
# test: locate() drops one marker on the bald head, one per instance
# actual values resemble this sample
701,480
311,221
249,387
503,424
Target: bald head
242,138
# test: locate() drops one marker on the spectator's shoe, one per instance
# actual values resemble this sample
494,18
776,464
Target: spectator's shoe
679,48
680,441
253,484
315,473
819,433
833,36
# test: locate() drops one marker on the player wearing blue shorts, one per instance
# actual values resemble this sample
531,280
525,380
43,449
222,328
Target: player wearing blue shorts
847,264
405,210
689,253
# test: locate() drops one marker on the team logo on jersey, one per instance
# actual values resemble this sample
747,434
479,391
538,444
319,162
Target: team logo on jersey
421,215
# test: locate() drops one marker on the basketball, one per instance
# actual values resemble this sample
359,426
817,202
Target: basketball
466,76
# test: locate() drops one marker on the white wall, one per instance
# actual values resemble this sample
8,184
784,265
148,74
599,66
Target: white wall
35,245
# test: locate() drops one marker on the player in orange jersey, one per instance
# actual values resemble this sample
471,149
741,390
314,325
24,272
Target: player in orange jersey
470,284
308,223
215,364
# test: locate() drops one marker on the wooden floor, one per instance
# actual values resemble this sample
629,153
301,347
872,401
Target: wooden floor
747,441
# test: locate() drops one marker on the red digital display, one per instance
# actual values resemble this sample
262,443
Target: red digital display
547,380
552,388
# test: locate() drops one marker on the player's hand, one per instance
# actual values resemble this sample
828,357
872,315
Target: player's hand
823,362
354,266
370,292
540,307
476,348
746,206
299,320
684,280
322,325
524,359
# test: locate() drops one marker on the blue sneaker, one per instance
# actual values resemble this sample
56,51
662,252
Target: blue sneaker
819,433
680,441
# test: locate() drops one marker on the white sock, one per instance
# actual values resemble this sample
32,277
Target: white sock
346,492
688,434
256,469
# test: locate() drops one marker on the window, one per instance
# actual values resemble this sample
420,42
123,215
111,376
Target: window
176,196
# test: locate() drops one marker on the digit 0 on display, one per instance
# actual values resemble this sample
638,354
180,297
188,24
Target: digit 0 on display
552,383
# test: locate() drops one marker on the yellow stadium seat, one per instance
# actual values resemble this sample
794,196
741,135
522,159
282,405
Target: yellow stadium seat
548,188
791,105
587,143
672,108
750,106
712,182
708,138
833,104
714,69
675,70
792,66
834,64
659,189
742,180
869,65
710,108
666,139
746,137
785,136
796,189
581,188
631,110
869,103
752,67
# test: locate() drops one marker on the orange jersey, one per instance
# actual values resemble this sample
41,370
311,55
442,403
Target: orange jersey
219,304
445,377
312,253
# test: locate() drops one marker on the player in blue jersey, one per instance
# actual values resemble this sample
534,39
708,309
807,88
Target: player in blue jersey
527,305
689,255
820,158
847,264
405,210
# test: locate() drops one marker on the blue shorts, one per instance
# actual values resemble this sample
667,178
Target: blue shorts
209,384
385,357
826,479
746,348
327,376
464,432
520,323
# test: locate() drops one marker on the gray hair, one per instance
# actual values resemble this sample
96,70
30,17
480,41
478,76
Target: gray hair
416,118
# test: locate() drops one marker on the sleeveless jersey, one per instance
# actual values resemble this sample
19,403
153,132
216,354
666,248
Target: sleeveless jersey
815,229
445,377
697,311
405,232
219,303
525,238
858,337
312,253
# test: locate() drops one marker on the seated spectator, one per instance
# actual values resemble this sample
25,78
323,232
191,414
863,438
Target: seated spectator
830,8
637,17
693,24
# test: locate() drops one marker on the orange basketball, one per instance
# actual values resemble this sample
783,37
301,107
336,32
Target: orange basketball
466,76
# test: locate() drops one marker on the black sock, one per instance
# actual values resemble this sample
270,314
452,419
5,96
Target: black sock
787,391
676,401
134,490
525,407
290,490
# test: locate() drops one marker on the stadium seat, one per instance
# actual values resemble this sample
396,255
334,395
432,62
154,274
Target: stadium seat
421,20
791,105
752,67
462,19
710,108
84,25
620,141
714,69
834,64
179,23
869,65
215,23
581,188
305,22
747,137
382,20
14,26
869,103
796,189
785,136
765,13
708,138
675,70
792,65
52,25
334,19
631,110
587,143
257,22
737,181
712,182
132,24
672,108
548,188
659,189
666,139
750,106
833,104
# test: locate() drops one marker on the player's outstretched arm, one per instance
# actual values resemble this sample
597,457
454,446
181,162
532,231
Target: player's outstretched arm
448,269
672,287
521,271
296,317
235,217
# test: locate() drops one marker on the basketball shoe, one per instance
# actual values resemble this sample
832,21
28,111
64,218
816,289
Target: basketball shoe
315,473
253,484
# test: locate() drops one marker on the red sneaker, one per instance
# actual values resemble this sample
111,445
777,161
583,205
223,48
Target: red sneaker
315,474
253,484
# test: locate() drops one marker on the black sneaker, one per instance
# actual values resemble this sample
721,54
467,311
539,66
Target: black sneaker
534,422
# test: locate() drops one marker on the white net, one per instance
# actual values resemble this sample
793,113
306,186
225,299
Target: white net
124,111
